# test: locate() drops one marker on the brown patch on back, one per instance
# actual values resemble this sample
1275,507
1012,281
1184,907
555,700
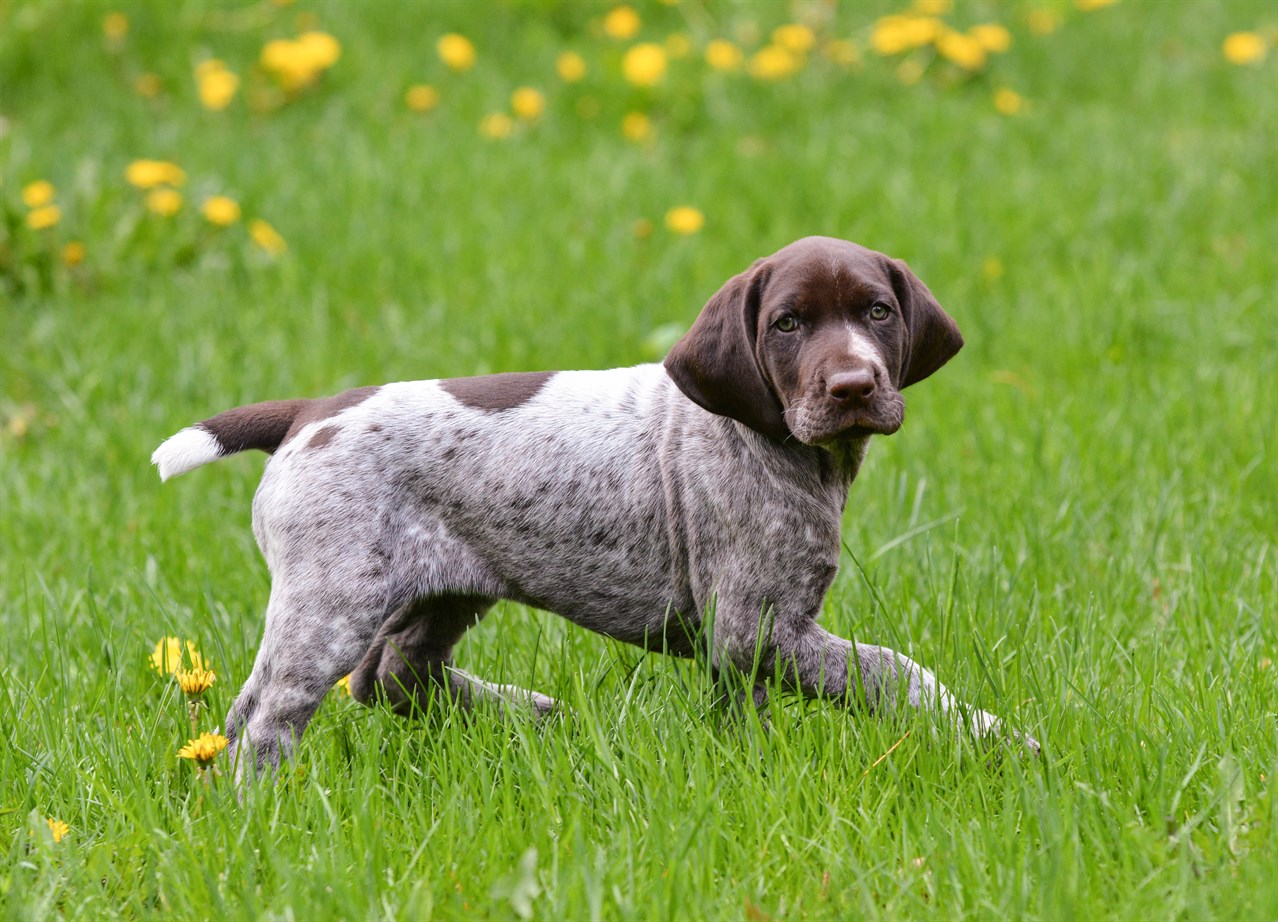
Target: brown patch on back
493,393
322,438
316,410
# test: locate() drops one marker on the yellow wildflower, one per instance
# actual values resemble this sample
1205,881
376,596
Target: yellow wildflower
721,54
621,23
894,34
147,174
421,97
115,26
164,202
678,45
204,748
58,828
1009,102
267,237
636,127
73,253
1043,21
963,50
774,63
148,86
217,88
195,682
991,36
456,51
496,125
794,37
287,62
570,66
842,52
40,192
933,7
221,211
320,49
684,220
1088,5
1243,48
343,686
527,103
644,64
168,654
44,217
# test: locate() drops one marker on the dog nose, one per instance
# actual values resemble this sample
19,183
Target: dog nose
851,385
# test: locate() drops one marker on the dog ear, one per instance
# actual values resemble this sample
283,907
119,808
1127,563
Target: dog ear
715,363
932,336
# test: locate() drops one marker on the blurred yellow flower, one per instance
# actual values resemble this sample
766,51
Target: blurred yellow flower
115,26
1009,102
721,54
991,36
320,49
842,52
636,127
164,202
1243,48
570,66
195,682
456,51
73,253
204,748
296,64
221,211
894,34
217,88
44,217
40,192
644,64
794,37
933,7
148,86
267,237
527,103
678,45
621,23
496,125
774,63
1043,21
684,220
1088,5
147,174
58,828
169,651
963,50
343,686
421,97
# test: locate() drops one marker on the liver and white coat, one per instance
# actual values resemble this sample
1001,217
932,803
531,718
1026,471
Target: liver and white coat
632,501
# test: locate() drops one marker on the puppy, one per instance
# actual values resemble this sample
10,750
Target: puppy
634,502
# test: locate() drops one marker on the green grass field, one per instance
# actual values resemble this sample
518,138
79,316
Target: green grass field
1075,528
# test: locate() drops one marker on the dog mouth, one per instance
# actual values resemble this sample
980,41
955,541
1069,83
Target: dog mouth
823,422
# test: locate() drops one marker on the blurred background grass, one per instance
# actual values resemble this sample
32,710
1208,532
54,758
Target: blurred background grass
1075,528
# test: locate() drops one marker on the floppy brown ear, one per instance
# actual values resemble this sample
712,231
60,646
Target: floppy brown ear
715,364
932,338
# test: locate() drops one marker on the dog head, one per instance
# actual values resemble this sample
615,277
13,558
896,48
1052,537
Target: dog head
816,341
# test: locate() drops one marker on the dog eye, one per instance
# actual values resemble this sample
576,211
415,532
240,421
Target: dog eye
787,323
879,311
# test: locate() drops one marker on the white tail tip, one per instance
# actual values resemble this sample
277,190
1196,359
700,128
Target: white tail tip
185,451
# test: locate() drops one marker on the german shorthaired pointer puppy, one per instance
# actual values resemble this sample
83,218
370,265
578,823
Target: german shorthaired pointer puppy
634,502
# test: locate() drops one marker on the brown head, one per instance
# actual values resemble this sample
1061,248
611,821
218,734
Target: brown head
816,341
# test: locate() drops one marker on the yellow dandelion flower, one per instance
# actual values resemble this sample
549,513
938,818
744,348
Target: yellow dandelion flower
288,62
933,7
148,86
115,26
1243,48
267,237
842,52
343,686
963,50
167,657
147,174
58,828
636,127
496,125
73,253
991,36
684,220
217,89
678,45
456,51
320,49
895,34
621,23
774,62
1088,5
195,682
527,103
44,217
644,64
1009,102
204,748
794,37
723,55
164,202
220,210
570,66
421,97
38,193
1043,21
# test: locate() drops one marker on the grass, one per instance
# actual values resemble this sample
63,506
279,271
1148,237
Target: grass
1075,528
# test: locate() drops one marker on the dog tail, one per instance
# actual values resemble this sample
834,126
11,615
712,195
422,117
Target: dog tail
259,425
